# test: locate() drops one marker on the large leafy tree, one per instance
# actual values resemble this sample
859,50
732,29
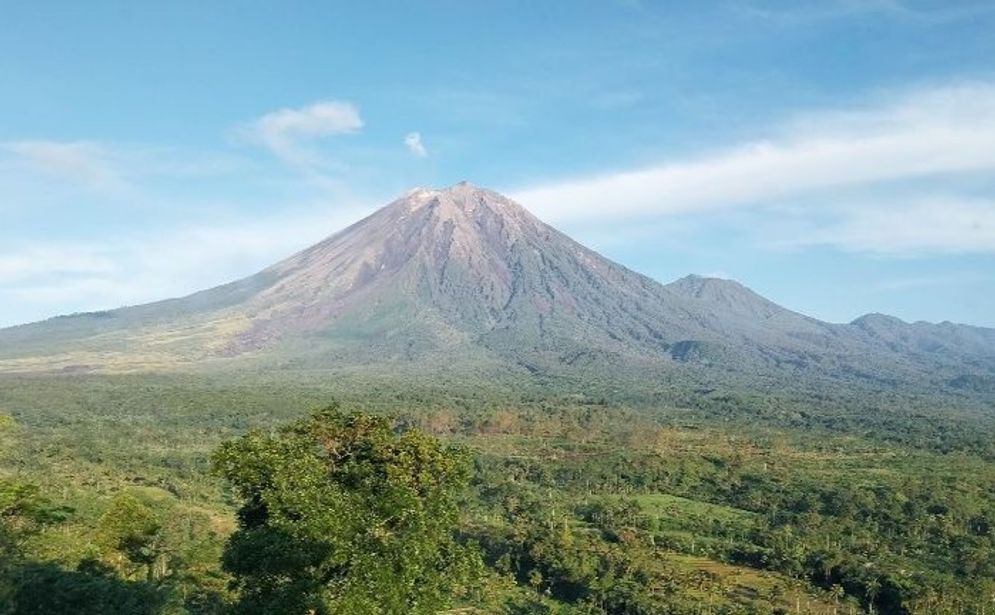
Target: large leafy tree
345,514
133,529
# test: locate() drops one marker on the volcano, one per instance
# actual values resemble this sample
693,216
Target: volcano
464,278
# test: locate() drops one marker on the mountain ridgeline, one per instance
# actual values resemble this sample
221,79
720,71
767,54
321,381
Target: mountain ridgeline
464,279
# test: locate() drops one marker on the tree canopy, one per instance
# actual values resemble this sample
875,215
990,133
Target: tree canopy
344,513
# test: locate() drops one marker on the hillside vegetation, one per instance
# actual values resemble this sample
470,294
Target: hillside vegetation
710,502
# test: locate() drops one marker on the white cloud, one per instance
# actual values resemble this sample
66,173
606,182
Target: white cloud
414,144
940,134
290,133
86,163
931,133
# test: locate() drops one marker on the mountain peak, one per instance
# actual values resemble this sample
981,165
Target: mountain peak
699,286
463,203
730,295
459,189
877,320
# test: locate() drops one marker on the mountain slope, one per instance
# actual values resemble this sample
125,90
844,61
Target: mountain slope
464,278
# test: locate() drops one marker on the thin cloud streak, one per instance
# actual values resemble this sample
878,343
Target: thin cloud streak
933,225
823,10
929,281
34,262
958,139
102,172
940,134
82,162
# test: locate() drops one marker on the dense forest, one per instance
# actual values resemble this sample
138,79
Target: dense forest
140,494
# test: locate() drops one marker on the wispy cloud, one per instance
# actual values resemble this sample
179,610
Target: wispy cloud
928,281
413,142
52,260
815,11
942,134
934,225
88,164
103,171
291,134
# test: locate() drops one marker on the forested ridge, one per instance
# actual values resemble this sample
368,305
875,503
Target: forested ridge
159,495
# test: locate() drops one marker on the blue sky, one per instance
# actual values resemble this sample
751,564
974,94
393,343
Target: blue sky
836,156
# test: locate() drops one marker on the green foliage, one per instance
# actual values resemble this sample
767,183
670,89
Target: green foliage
24,511
343,514
588,502
23,514
133,529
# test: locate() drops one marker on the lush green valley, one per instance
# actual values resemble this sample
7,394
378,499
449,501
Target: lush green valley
697,501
